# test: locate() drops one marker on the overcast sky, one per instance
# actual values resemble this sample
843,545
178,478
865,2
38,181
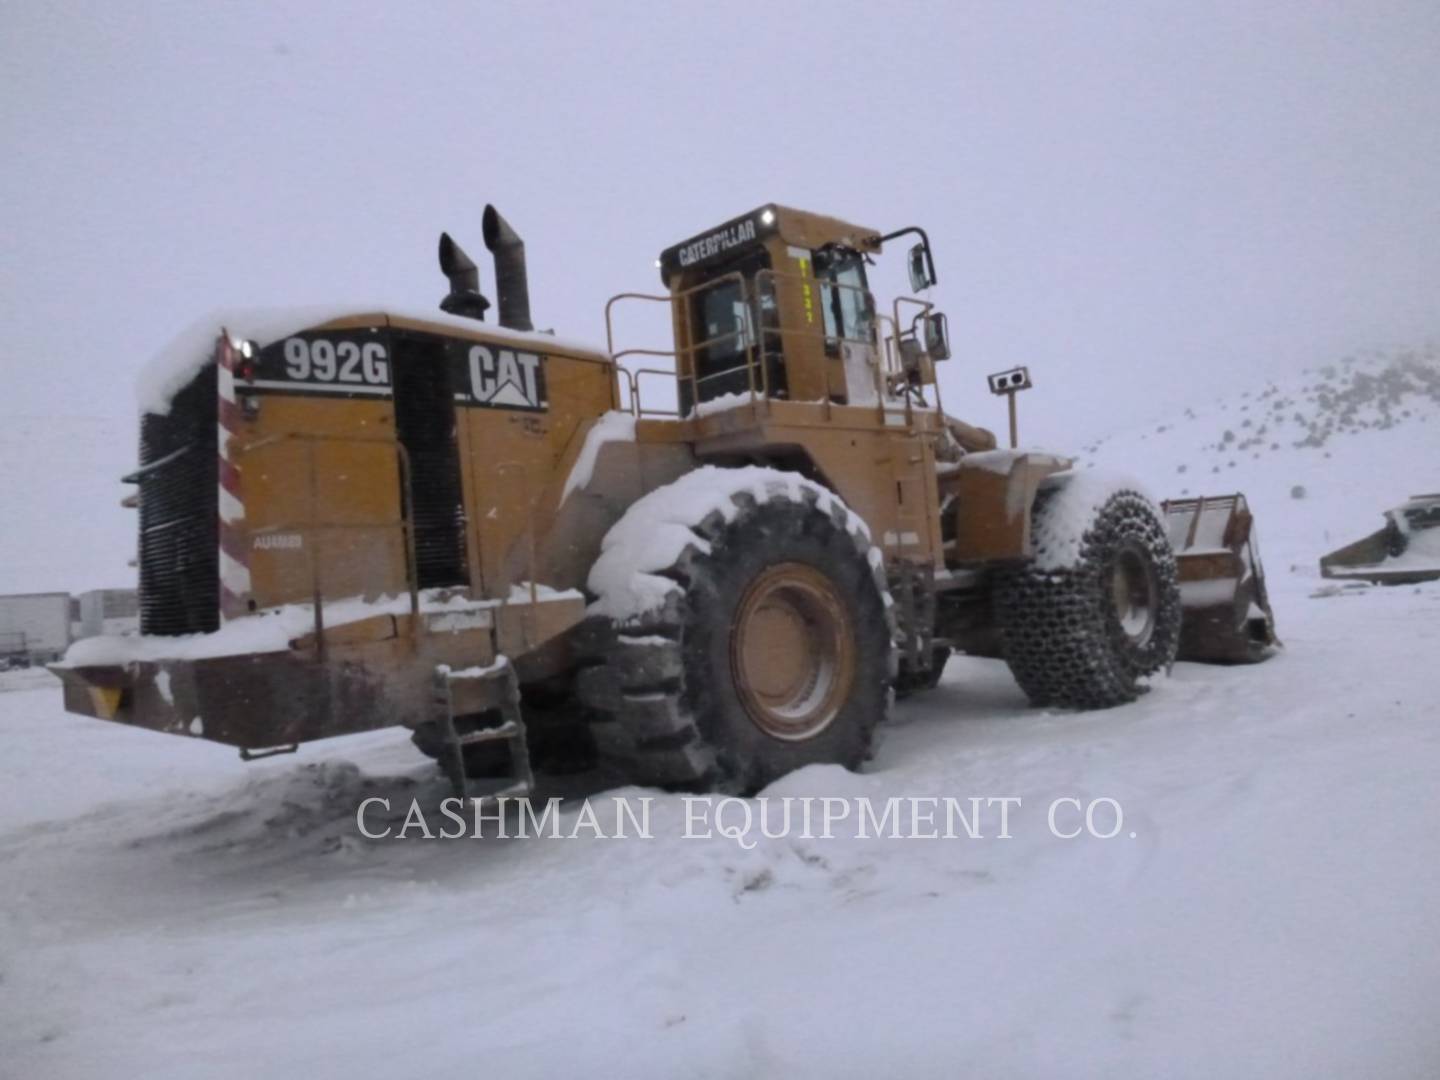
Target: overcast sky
1142,201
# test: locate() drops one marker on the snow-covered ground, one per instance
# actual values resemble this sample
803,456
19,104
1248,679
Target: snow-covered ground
1268,908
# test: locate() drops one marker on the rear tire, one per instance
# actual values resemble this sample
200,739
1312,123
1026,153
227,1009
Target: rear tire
1083,635
776,652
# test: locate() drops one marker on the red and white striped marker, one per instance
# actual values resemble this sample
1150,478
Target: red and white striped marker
234,550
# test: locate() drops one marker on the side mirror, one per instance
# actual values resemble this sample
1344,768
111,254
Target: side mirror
937,336
921,276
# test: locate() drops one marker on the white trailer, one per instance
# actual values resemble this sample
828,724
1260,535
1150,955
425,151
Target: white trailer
108,611
35,627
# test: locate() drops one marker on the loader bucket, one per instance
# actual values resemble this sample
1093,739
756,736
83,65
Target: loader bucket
1227,616
1405,551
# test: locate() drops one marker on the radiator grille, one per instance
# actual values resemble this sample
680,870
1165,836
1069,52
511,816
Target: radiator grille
425,424
179,538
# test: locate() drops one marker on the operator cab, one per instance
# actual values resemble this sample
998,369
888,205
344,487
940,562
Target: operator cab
776,303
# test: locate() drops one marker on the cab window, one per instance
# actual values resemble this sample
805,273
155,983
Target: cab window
725,331
735,332
844,301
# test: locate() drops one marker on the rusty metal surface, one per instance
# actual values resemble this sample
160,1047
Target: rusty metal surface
252,702
1227,613
359,676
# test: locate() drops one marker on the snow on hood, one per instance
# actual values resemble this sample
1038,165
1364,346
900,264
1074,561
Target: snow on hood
176,364
611,427
1003,461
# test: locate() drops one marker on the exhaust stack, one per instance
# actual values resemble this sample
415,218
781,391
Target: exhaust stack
464,298
512,286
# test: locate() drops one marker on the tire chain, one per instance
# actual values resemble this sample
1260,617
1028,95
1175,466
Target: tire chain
1060,639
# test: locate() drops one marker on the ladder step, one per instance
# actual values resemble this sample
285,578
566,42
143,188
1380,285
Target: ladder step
505,732
504,789
501,669
511,730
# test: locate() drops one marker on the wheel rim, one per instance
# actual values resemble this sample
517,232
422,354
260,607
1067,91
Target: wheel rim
792,651
1136,594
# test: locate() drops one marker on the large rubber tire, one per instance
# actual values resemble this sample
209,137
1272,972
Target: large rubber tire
1062,630
670,698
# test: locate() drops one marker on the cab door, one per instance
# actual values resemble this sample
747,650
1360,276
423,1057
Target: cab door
849,319
729,335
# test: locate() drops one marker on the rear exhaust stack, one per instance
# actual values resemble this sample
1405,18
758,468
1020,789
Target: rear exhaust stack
512,287
464,298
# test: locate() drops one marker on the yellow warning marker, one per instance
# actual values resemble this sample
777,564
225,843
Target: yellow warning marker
106,700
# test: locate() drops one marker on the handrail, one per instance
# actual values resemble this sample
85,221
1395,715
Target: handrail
610,307
688,351
759,351
638,398
925,307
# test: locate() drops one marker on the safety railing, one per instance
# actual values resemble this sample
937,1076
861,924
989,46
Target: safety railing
687,349
763,344
915,332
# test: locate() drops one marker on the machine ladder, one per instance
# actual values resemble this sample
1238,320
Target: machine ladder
461,698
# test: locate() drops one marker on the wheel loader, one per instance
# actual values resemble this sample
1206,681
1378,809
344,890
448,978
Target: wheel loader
706,564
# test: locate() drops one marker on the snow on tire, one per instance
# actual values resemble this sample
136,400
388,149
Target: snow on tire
755,638
1098,608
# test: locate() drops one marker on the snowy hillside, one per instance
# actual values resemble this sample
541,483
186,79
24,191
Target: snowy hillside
1266,910
1319,456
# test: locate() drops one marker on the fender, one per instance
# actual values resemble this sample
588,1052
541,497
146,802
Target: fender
991,494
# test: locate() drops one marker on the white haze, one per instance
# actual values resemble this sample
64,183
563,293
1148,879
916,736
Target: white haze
1145,204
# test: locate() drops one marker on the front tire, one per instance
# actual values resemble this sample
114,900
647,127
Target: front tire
775,651
1098,609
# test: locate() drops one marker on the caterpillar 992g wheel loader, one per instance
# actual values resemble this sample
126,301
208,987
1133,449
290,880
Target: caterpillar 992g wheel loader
710,564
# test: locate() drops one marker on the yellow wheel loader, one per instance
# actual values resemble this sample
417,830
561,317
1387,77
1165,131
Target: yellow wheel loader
707,564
